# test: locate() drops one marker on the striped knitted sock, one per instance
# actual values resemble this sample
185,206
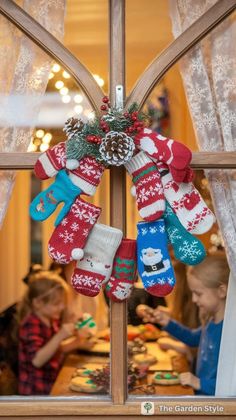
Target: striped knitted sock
121,282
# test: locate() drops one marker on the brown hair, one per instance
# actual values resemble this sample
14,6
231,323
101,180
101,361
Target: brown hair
41,285
213,271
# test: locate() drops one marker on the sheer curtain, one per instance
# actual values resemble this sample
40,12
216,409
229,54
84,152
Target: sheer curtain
208,73
24,74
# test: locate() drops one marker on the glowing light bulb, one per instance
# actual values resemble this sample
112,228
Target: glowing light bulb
59,84
98,79
56,68
78,109
66,99
78,98
64,91
51,75
47,138
40,133
32,148
44,147
66,75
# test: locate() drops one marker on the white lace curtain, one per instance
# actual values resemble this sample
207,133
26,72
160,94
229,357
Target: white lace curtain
24,72
208,73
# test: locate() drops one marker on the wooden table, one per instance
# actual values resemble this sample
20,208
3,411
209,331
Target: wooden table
166,360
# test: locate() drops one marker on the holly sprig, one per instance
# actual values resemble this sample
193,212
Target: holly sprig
86,141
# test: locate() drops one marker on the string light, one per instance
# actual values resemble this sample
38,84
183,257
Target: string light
64,91
78,109
65,75
56,68
40,133
66,99
78,98
59,84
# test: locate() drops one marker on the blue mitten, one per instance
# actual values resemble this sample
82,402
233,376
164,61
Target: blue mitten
187,248
154,264
61,190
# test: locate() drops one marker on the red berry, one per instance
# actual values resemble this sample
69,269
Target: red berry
126,115
136,124
105,99
103,107
134,118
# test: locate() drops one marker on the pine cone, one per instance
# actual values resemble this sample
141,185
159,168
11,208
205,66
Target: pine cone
73,126
116,148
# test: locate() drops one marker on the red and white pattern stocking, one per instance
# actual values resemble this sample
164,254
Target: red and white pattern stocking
51,161
69,237
88,175
149,191
96,266
187,203
162,149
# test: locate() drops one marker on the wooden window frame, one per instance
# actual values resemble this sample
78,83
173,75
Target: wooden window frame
118,403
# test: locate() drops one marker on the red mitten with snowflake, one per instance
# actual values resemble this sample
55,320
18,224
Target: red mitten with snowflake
149,191
186,202
96,266
162,149
121,282
70,235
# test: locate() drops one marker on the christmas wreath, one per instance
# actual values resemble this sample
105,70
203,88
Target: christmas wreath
170,206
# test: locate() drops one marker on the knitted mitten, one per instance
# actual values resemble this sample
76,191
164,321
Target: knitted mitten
175,154
96,266
187,248
154,264
186,202
149,190
121,282
50,162
46,202
88,175
69,237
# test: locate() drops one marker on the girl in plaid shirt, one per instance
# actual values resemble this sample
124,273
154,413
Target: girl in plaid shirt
41,333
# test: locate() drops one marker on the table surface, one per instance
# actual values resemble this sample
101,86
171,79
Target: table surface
166,360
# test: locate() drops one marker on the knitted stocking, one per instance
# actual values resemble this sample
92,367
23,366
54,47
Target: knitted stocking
96,266
187,248
71,234
176,155
149,190
86,175
154,265
121,282
187,203
46,202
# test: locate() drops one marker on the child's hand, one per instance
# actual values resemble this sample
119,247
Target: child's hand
187,378
161,316
144,312
67,330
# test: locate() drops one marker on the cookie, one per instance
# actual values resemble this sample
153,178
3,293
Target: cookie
144,359
166,378
80,384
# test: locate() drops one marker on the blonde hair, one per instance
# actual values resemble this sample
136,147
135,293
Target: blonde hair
41,285
212,272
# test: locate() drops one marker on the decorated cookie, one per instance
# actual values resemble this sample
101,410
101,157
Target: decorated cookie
84,370
144,359
80,384
166,378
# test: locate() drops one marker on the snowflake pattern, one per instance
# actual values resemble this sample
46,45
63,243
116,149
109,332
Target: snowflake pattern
74,227
57,256
190,250
67,237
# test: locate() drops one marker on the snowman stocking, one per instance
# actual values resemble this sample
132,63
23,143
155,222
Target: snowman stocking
121,282
96,266
149,191
187,248
154,265
187,203
69,237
